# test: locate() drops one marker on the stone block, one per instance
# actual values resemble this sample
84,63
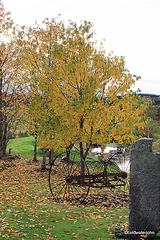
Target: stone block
144,196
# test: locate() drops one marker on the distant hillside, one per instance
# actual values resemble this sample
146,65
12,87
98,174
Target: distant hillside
154,97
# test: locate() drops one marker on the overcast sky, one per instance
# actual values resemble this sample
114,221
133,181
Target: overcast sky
131,28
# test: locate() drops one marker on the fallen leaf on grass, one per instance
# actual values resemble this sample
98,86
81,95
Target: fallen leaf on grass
65,231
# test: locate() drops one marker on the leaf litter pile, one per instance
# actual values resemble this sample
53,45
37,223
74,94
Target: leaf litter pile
28,211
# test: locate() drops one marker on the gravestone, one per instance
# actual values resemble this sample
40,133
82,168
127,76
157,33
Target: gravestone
144,202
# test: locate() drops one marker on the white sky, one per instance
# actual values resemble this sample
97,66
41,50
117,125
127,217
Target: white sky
131,28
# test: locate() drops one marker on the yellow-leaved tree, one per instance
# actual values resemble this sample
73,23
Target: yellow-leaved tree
81,95
11,82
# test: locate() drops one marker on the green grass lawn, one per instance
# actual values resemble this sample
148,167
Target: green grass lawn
23,147
27,210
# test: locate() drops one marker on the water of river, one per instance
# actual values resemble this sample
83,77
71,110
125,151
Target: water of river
123,160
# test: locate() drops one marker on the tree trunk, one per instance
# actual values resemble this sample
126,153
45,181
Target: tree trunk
68,151
81,149
82,162
35,149
43,167
51,156
1,113
5,136
86,151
